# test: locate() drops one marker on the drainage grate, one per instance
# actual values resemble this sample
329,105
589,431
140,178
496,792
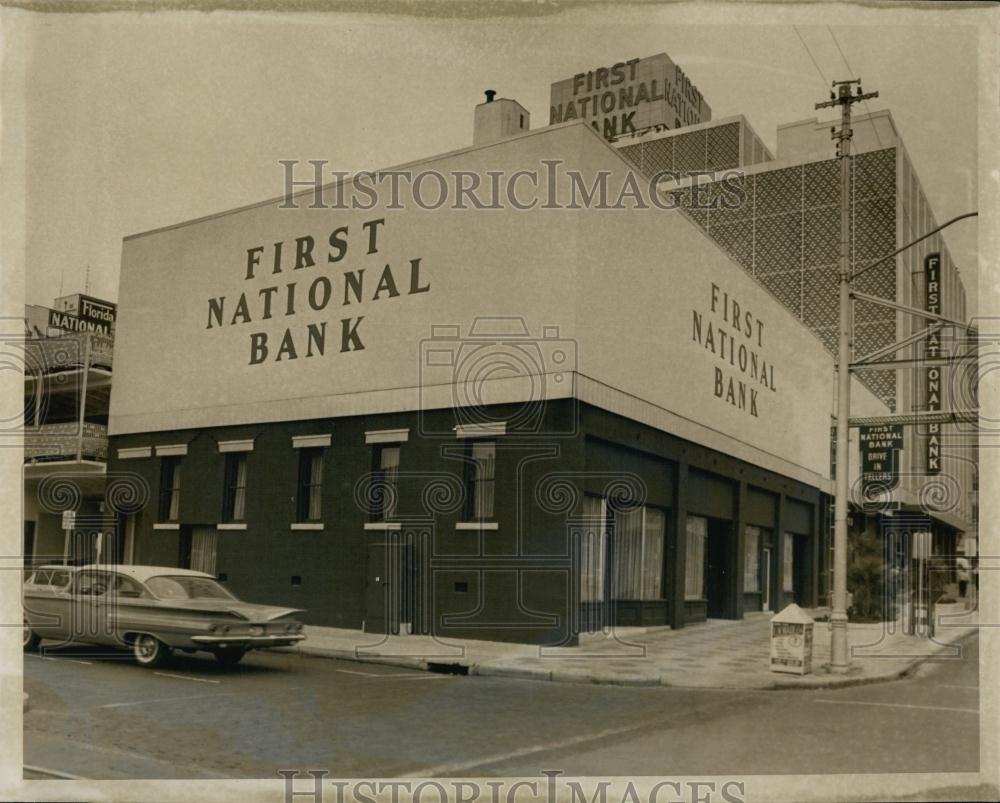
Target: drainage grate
447,669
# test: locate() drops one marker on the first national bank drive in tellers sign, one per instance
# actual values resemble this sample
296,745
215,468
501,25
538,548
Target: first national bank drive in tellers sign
880,447
628,97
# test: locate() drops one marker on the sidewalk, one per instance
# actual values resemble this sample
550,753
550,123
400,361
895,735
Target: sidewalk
717,654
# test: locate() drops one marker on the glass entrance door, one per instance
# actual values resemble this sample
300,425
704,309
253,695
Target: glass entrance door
765,579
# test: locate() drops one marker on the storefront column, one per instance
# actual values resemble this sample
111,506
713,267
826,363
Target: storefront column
823,541
739,514
777,580
678,543
813,578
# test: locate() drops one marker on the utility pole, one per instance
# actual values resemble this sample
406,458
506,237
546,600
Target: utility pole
839,655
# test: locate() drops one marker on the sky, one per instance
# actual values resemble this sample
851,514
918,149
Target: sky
136,121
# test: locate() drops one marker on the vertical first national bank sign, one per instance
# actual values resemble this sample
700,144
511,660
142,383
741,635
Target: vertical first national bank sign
629,97
932,373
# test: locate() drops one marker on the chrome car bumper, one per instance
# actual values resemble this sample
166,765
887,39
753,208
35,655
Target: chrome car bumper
248,641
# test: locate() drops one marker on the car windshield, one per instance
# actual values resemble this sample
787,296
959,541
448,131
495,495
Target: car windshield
181,587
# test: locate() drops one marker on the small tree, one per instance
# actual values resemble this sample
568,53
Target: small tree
939,576
865,577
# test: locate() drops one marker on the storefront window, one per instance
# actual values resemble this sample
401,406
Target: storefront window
236,487
170,488
593,540
639,554
694,564
751,559
787,579
310,484
481,479
654,531
387,469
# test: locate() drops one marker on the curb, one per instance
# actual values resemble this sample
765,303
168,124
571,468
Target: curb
350,655
520,672
807,683
514,671
627,680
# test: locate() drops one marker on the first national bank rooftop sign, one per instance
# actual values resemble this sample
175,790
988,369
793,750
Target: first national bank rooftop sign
629,97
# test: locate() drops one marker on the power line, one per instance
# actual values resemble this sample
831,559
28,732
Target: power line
826,84
923,237
847,64
834,37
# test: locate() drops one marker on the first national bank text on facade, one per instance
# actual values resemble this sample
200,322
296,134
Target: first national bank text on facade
281,299
734,339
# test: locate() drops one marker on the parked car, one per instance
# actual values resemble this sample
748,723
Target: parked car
151,610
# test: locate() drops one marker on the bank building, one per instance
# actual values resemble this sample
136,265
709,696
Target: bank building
487,423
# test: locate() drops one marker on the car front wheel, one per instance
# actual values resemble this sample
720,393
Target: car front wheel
149,650
31,639
229,657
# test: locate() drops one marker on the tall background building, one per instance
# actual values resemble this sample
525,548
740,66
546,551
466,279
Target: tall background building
786,234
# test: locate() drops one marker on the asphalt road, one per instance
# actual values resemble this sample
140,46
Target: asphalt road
105,718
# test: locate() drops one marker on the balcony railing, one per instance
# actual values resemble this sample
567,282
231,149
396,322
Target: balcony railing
51,354
61,441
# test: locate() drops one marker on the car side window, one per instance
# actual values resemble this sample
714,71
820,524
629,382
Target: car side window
125,586
93,584
39,578
59,579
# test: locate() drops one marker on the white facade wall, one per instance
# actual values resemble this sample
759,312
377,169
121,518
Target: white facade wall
619,289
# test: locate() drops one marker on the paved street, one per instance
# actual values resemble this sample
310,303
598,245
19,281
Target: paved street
102,717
